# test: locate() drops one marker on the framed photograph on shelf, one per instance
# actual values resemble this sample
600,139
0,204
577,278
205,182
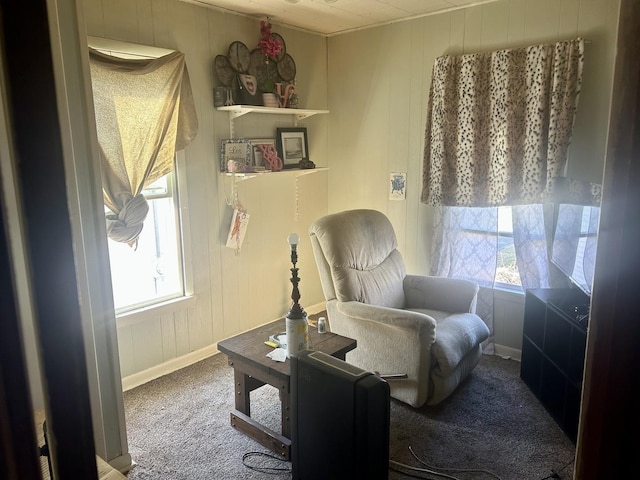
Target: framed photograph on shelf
292,145
260,147
235,155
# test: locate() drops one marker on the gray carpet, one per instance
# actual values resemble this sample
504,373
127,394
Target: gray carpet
178,428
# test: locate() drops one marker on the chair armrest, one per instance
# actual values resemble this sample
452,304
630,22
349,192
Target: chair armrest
440,293
390,341
391,317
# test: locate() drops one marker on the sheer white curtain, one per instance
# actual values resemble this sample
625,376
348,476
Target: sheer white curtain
466,245
533,238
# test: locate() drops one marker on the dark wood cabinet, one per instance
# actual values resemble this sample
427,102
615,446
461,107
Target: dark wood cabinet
553,346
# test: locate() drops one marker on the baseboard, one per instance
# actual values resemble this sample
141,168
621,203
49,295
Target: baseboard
317,308
507,352
165,368
122,464
157,371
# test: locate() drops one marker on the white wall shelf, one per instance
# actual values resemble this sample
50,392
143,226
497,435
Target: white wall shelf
236,111
297,172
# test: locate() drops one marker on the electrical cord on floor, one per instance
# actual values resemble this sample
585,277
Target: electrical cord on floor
459,470
556,473
430,469
422,470
269,470
403,472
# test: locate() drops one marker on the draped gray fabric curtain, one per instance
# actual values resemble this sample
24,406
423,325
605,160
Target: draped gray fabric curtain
499,124
144,114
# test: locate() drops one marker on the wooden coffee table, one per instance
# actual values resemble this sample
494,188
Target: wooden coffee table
252,369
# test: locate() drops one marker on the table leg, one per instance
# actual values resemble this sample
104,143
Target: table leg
285,406
241,417
243,402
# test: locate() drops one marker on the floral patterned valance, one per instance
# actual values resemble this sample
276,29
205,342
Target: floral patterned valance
499,124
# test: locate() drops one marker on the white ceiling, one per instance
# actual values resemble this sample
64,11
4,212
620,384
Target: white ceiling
331,17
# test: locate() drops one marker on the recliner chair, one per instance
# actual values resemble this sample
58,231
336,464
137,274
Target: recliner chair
421,326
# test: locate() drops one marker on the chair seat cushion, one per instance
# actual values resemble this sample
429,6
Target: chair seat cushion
456,335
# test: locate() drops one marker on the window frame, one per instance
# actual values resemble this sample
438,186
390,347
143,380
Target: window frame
179,187
172,193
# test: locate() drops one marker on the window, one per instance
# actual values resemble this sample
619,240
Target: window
153,272
507,274
504,247
483,245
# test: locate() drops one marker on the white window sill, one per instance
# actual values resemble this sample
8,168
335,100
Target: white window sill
505,289
508,295
155,310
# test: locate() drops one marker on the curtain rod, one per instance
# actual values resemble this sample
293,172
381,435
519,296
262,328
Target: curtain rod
586,42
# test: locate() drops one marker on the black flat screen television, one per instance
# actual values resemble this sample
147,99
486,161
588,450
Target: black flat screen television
574,243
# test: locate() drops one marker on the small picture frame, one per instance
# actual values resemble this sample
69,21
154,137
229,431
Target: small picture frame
257,159
292,146
235,155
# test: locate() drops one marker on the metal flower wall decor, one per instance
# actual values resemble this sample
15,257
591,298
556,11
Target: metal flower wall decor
247,74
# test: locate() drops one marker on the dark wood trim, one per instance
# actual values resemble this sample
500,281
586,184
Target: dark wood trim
18,453
41,185
609,422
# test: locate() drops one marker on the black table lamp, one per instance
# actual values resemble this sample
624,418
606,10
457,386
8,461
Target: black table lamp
296,320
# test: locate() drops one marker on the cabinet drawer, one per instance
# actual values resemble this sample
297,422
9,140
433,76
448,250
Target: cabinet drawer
571,412
552,390
531,366
534,317
578,346
557,340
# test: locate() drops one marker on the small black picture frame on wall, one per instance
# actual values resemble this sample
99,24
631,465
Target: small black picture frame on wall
292,146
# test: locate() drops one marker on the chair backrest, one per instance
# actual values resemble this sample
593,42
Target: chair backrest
357,257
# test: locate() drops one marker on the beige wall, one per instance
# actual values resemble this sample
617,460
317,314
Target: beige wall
378,88
375,84
232,292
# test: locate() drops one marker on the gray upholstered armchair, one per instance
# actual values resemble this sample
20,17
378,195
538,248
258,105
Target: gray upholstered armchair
424,327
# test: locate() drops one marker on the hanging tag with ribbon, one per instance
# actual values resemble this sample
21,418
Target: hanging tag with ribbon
239,221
